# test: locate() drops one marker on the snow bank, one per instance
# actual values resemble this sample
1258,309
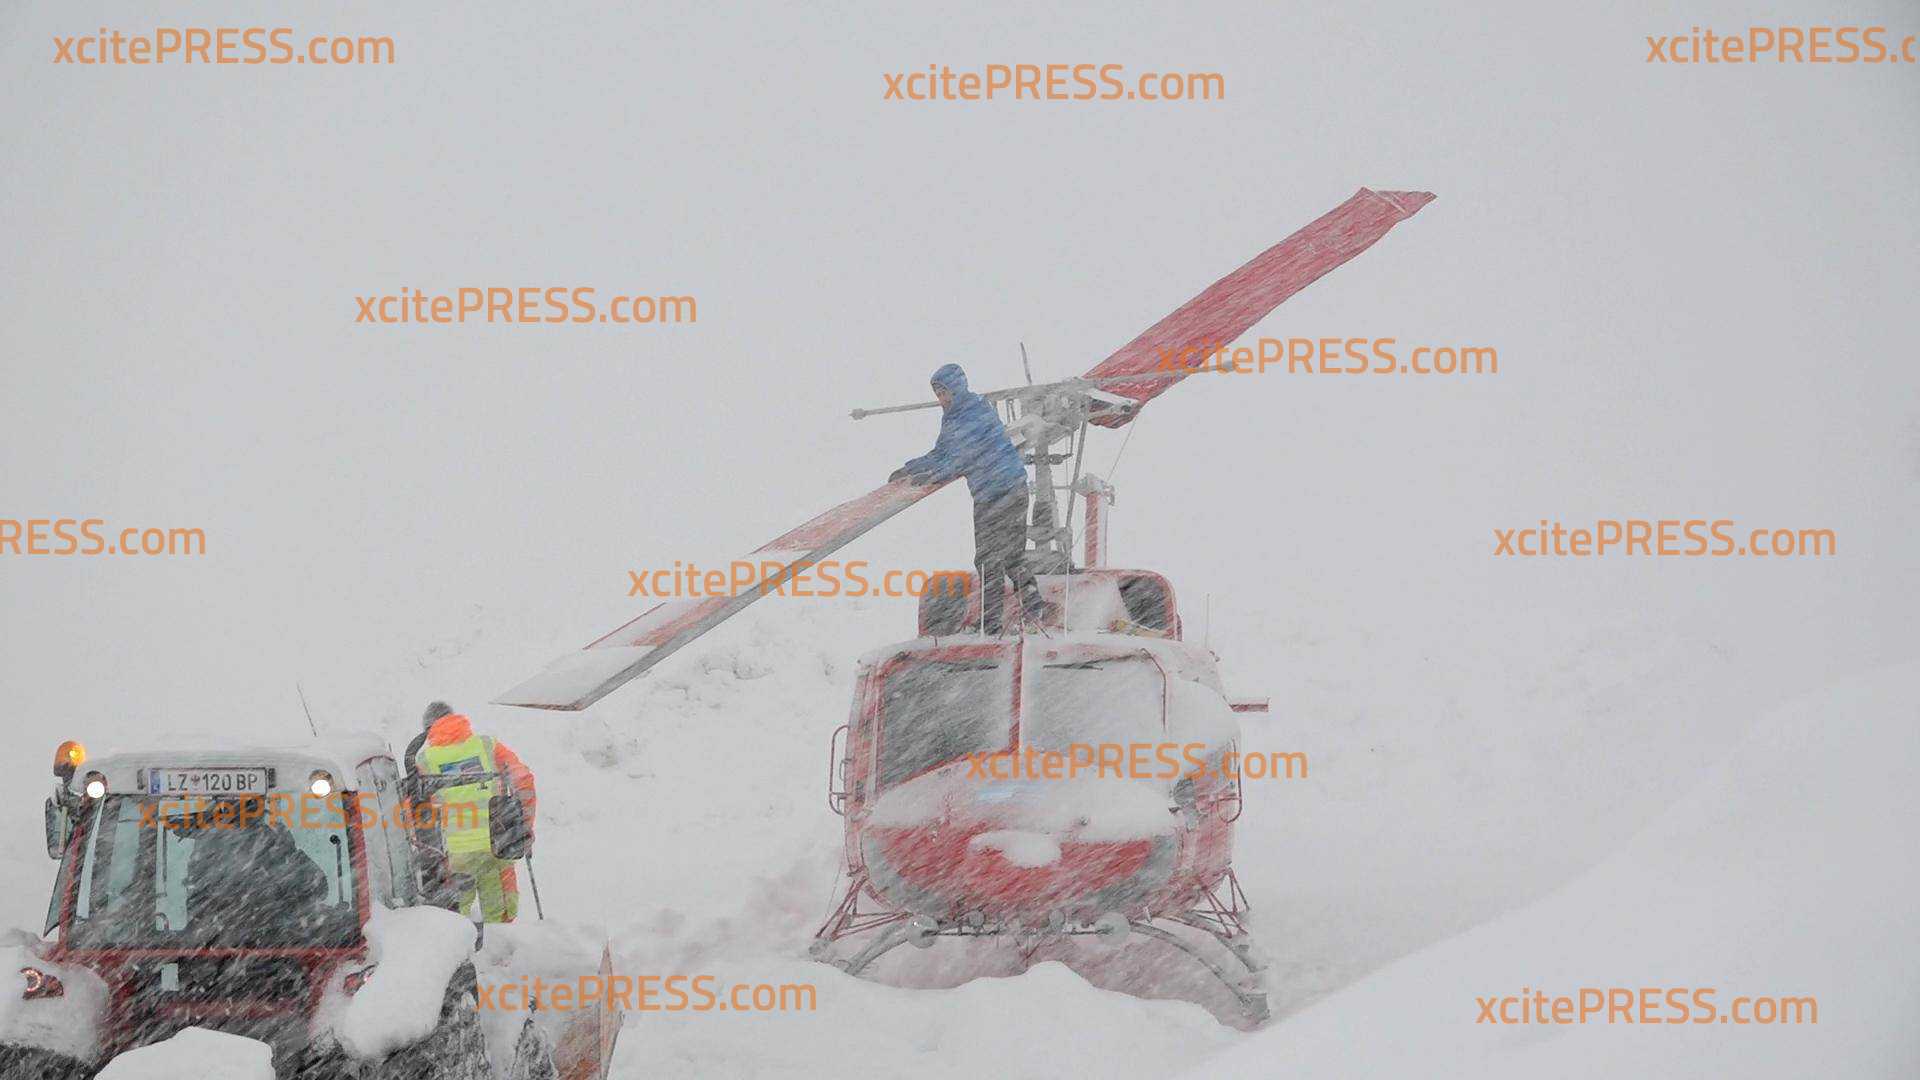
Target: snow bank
547,949
1791,872
197,1053
1042,1024
417,950
66,1024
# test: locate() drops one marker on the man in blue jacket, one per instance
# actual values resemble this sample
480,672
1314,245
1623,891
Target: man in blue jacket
974,444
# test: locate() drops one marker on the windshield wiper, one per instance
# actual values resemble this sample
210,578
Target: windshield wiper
960,665
1089,665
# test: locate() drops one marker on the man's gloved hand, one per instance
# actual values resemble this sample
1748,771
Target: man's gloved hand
898,475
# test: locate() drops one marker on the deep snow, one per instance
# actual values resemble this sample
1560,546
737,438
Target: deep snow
1789,871
694,829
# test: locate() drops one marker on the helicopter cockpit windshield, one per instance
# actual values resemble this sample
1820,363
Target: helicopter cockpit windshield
935,711
1095,701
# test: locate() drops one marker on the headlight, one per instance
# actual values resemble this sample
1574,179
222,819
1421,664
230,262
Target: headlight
320,783
357,979
96,785
41,985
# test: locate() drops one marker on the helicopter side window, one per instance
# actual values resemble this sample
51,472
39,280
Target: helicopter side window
1147,602
936,711
943,606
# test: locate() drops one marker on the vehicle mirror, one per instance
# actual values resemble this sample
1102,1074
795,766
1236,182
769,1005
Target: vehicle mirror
59,826
507,828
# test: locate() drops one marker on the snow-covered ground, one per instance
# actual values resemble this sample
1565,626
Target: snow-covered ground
1419,822
1756,851
1788,872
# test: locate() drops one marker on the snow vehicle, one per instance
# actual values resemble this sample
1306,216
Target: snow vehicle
299,897
938,846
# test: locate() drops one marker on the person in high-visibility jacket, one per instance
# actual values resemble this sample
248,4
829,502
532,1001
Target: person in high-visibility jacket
449,746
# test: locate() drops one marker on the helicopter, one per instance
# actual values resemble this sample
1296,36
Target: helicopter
973,772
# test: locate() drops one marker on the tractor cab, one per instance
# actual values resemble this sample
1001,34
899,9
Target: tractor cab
225,889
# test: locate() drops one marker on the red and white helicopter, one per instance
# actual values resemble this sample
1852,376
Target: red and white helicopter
939,842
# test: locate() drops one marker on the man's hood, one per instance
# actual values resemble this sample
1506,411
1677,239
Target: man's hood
951,378
449,729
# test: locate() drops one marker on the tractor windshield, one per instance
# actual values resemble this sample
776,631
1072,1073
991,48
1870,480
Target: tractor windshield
936,711
161,873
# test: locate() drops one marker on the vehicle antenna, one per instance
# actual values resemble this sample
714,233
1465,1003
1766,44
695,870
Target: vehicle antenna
311,726
1028,368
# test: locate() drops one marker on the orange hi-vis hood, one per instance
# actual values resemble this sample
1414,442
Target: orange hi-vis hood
450,729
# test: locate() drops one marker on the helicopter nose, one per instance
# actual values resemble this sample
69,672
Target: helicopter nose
1021,805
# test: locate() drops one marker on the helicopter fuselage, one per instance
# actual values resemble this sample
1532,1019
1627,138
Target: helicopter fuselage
1044,779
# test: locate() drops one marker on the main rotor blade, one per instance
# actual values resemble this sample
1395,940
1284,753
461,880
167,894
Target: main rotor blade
581,678
1229,306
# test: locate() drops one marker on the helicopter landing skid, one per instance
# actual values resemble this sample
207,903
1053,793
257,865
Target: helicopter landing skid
1220,921
1245,988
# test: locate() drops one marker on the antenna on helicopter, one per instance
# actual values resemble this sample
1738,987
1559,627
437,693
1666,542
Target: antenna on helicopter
311,726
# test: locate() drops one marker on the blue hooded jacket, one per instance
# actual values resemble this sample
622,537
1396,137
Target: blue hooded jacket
972,443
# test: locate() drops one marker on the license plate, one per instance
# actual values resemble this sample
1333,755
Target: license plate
206,781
